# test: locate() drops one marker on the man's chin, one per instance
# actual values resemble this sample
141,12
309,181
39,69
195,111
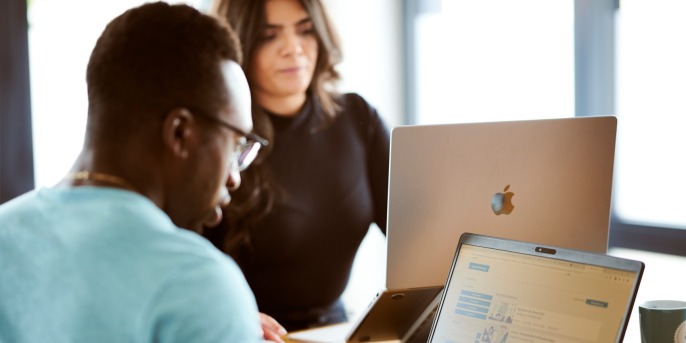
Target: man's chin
213,218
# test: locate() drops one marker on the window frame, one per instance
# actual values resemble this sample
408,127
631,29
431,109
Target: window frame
594,86
16,135
595,94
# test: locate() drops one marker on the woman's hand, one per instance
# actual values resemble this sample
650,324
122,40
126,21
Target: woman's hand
272,331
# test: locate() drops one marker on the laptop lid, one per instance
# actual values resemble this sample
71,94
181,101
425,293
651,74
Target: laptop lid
547,181
393,313
390,316
501,290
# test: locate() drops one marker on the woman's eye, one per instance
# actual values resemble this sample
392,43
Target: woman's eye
306,29
267,35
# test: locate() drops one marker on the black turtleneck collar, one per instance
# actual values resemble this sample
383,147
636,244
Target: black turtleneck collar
289,122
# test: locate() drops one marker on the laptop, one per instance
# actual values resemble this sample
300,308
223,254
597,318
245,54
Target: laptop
547,181
501,290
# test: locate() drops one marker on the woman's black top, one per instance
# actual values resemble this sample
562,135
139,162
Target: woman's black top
334,177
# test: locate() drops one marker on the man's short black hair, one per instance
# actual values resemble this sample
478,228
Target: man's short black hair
154,58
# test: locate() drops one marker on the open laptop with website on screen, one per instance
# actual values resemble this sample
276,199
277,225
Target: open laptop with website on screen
546,181
501,290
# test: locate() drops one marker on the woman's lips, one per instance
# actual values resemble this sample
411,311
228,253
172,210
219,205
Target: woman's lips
291,70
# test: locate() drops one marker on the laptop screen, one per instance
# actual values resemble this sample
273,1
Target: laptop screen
500,296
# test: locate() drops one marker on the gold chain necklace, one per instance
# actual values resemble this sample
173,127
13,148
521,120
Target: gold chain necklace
85,175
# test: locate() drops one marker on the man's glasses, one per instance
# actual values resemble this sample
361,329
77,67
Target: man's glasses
247,148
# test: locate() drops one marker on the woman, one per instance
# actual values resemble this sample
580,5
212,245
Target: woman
312,194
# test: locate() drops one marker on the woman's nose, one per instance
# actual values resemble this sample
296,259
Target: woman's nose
292,44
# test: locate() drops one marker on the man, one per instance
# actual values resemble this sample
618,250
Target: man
101,257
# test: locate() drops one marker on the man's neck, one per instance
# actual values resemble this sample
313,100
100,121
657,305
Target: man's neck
96,168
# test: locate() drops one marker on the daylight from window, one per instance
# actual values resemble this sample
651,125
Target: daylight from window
486,60
651,86
61,37
476,60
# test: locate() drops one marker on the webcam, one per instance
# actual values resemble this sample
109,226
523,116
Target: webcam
546,250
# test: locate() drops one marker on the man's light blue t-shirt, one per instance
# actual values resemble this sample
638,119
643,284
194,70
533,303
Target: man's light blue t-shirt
91,264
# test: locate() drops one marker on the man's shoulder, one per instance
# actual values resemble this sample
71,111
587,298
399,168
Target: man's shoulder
17,204
204,294
195,292
161,280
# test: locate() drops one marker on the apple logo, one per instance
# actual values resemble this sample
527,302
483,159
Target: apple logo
501,203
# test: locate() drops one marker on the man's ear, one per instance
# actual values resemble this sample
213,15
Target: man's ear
178,131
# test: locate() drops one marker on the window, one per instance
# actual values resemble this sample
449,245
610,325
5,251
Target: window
485,60
468,60
651,86
62,35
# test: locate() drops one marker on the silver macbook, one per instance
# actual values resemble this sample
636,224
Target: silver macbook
546,181
501,291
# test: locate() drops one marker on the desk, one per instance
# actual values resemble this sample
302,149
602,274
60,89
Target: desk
664,278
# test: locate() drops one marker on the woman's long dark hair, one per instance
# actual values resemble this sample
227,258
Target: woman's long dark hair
258,190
